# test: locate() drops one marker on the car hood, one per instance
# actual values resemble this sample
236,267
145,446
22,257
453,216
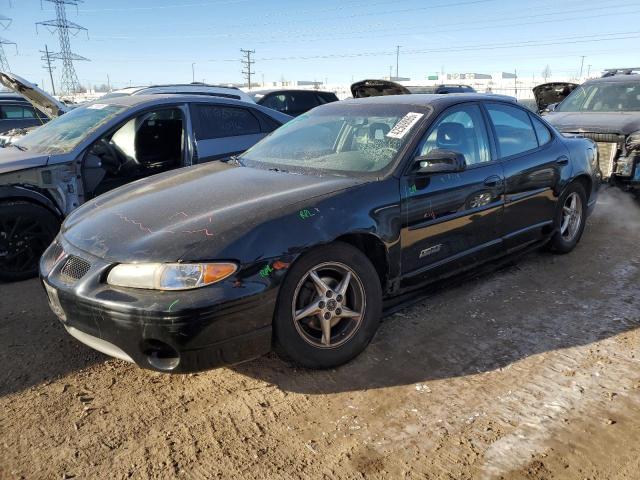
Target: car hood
554,92
377,88
38,97
165,217
13,159
597,122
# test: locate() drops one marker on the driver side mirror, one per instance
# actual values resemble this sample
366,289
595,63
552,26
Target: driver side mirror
440,161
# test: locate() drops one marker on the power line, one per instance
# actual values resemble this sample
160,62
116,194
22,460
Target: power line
69,82
247,64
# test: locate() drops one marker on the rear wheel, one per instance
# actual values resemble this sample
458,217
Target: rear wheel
329,307
26,230
570,219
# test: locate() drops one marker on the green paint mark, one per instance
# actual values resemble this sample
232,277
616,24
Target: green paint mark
266,271
413,189
173,304
306,213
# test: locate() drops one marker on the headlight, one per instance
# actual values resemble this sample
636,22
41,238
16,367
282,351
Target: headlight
169,276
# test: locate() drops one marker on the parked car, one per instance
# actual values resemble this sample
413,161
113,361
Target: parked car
300,240
27,108
607,110
195,88
292,102
375,88
549,95
105,144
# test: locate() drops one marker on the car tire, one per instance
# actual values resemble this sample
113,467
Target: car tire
26,230
332,307
570,220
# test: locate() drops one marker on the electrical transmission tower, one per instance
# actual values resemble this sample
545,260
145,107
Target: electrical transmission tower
69,82
247,64
4,64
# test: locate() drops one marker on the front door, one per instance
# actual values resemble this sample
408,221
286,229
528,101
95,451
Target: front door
452,220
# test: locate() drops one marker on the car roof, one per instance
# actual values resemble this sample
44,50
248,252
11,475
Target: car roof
272,90
425,99
13,97
622,78
171,85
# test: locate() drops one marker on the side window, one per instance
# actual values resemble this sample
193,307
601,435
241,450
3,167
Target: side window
514,131
28,113
300,102
325,97
544,136
462,130
276,102
216,121
267,124
12,112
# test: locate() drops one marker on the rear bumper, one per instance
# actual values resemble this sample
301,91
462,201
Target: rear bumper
175,332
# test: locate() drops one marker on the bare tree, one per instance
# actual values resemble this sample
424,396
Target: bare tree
546,73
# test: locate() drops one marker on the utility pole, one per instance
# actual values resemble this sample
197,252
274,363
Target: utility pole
193,72
588,70
47,58
108,83
581,65
60,24
247,64
515,83
397,60
390,72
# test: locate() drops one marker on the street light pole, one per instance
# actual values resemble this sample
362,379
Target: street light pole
193,73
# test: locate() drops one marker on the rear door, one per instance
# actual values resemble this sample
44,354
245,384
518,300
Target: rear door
452,220
221,131
533,160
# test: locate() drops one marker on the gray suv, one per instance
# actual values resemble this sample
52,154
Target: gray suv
103,145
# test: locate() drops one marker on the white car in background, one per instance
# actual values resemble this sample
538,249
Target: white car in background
195,88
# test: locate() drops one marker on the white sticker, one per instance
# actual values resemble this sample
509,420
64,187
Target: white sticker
97,106
403,126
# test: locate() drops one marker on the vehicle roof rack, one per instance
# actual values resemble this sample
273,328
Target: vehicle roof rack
610,72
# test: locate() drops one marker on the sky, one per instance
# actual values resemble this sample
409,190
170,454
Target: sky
139,42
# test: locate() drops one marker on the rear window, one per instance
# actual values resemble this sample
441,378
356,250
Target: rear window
513,129
215,121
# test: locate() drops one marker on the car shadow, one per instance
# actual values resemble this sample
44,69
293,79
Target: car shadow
481,324
34,347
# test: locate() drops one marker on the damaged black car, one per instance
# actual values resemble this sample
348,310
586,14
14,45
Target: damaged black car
296,243
607,110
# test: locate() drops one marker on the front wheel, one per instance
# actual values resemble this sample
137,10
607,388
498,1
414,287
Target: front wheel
329,307
26,230
570,219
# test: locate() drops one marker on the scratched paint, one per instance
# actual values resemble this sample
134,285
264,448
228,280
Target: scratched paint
173,305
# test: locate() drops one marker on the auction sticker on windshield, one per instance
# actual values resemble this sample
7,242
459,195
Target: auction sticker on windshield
403,126
97,106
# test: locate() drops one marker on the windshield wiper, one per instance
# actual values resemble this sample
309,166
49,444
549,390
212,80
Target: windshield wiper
234,159
275,169
19,147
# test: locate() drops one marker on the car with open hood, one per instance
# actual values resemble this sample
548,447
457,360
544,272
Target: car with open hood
376,88
105,144
297,242
16,119
607,110
549,95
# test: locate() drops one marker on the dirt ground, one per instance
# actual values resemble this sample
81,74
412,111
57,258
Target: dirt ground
529,372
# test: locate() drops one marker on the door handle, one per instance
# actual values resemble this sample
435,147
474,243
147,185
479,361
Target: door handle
562,160
493,181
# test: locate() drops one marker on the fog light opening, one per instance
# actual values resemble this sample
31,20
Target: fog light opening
161,356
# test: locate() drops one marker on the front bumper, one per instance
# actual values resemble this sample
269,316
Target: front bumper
193,330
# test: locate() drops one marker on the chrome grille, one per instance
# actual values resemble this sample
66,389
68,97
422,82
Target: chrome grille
52,256
75,268
606,155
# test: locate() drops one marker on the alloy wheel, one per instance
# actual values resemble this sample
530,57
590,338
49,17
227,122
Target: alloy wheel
571,217
328,305
22,240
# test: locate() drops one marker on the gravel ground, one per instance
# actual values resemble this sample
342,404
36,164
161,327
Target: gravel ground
528,372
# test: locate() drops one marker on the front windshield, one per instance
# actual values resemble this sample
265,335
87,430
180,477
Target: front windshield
63,134
603,97
347,138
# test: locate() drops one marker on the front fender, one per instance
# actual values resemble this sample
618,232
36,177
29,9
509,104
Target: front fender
31,194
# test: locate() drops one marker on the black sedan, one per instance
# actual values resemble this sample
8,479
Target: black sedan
296,243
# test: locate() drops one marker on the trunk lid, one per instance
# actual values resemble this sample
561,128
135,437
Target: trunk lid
36,96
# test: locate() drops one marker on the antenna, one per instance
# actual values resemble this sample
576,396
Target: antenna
69,82
4,24
247,65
